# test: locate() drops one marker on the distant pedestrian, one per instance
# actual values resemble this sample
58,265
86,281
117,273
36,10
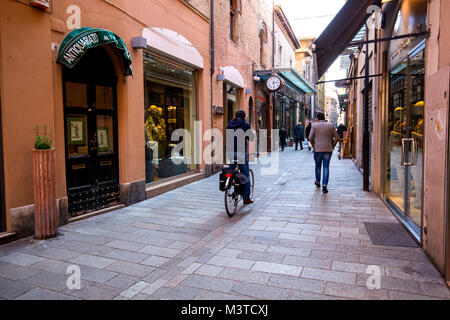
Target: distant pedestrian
340,130
283,137
323,138
307,131
299,135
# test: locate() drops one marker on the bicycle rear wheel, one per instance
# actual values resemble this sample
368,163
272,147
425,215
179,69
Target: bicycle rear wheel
252,181
231,202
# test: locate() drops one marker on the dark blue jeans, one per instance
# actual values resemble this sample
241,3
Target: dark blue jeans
324,157
245,169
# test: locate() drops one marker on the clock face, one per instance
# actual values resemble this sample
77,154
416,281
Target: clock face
273,83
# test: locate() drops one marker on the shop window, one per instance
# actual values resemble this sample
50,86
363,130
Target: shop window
170,104
235,10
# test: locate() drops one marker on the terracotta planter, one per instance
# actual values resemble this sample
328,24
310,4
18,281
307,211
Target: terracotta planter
44,182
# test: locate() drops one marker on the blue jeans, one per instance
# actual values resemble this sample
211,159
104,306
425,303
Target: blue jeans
245,169
324,157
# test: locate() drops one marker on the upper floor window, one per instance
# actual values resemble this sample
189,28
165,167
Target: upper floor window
262,42
235,10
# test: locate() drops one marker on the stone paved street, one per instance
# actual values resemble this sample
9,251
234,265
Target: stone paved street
293,243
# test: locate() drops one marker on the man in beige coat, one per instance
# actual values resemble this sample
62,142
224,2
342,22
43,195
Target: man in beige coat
323,138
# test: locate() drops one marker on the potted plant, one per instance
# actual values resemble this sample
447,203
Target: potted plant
44,185
291,142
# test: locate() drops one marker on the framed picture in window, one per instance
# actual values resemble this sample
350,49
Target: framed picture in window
76,131
103,139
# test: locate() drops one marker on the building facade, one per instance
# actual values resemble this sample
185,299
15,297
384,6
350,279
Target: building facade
408,119
113,82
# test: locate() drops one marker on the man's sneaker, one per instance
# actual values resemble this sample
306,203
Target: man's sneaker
317,184
248,201
324,189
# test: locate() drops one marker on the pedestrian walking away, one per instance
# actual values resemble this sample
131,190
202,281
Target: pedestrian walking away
299,135
283,137
242,155
340,130
307,132
323,138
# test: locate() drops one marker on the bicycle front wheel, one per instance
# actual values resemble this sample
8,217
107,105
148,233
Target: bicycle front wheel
252,181
231,202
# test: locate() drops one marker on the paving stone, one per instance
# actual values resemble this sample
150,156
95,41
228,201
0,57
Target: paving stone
149,290
131,269
51,281
53,266
128,256
176,280
21,259
92,261
134,289
298,237
93,291
276,268
258,291
12,289
296,283
95,274
155,275
354,267
16,272
79,246
50,253
307,262
289,251
125,245
43,294
212,295
122,281
208,270
231,262
231,253
160,251
434,290
394,295
191,268
355,292
208,283
182,293
179,245
155,261
329,275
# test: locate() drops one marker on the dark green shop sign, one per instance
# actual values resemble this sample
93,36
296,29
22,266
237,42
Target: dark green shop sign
76,43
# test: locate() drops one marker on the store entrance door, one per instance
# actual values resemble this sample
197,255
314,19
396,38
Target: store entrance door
261,118
2,181
404,174
90,111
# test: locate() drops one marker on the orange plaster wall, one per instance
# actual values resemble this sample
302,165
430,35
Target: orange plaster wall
32,81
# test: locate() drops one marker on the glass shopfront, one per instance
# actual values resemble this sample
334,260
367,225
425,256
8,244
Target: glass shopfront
404,138
170,104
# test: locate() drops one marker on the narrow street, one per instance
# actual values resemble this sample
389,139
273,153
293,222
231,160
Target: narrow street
294,242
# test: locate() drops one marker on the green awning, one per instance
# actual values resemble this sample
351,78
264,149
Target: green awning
79,41
296,79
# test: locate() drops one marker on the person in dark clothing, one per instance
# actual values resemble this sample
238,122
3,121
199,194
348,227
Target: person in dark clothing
242,155
340,130
307,131
283,137
299,135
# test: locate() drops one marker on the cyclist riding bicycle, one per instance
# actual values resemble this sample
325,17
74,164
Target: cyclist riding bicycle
241,156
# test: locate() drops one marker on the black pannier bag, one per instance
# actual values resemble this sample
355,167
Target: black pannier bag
240,180
223,178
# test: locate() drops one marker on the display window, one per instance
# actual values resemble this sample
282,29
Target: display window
170,104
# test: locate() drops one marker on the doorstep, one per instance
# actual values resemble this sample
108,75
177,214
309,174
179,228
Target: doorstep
157,188
96,213
6,237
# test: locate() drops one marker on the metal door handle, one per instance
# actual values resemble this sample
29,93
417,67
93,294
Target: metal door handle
406,144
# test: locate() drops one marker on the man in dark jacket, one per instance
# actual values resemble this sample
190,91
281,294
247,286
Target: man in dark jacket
241,154
299,136
283,137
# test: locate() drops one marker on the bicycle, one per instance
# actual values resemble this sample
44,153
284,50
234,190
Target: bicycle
233,194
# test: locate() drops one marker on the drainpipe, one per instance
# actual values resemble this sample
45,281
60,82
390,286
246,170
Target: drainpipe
366,150
212,62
